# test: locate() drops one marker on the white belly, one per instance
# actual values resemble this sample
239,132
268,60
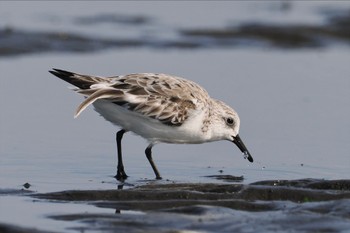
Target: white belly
152,129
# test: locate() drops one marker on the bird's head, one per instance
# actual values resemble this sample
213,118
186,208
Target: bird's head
227,127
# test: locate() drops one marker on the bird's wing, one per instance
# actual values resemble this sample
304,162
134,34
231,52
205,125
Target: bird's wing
162,97
79,80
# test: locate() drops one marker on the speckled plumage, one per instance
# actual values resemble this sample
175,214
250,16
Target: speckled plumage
158,107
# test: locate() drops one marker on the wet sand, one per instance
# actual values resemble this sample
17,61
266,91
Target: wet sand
306,205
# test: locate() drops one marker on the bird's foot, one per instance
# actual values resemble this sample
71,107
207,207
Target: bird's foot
121,175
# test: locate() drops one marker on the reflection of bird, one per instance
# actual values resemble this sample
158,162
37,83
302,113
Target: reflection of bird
158,107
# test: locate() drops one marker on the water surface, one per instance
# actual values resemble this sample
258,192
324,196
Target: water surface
291,95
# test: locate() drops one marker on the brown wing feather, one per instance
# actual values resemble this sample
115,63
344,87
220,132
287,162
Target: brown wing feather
161,97
78,80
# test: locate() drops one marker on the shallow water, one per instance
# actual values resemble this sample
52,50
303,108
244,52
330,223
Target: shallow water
292,100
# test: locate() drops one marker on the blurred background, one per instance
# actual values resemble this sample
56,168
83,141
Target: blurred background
283,65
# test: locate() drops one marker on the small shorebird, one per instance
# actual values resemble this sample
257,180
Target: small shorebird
159,108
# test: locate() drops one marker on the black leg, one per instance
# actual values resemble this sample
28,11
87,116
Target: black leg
148,152
121,175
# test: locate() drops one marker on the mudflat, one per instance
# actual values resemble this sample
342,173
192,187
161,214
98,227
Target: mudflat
306,205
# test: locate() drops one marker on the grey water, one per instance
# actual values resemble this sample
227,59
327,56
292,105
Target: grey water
292,95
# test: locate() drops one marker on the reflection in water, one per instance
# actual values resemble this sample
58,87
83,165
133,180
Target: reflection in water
120,186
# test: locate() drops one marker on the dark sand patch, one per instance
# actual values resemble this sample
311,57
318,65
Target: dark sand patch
15,41
307,205
295,191
7,228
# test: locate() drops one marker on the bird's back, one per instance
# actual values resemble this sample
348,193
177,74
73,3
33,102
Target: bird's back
162,97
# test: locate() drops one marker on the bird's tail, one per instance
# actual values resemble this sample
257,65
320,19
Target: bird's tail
84,83
79,80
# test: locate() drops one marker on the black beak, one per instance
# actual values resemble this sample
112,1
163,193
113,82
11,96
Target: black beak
239,143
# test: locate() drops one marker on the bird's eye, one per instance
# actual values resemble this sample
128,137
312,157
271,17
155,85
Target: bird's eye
229,121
